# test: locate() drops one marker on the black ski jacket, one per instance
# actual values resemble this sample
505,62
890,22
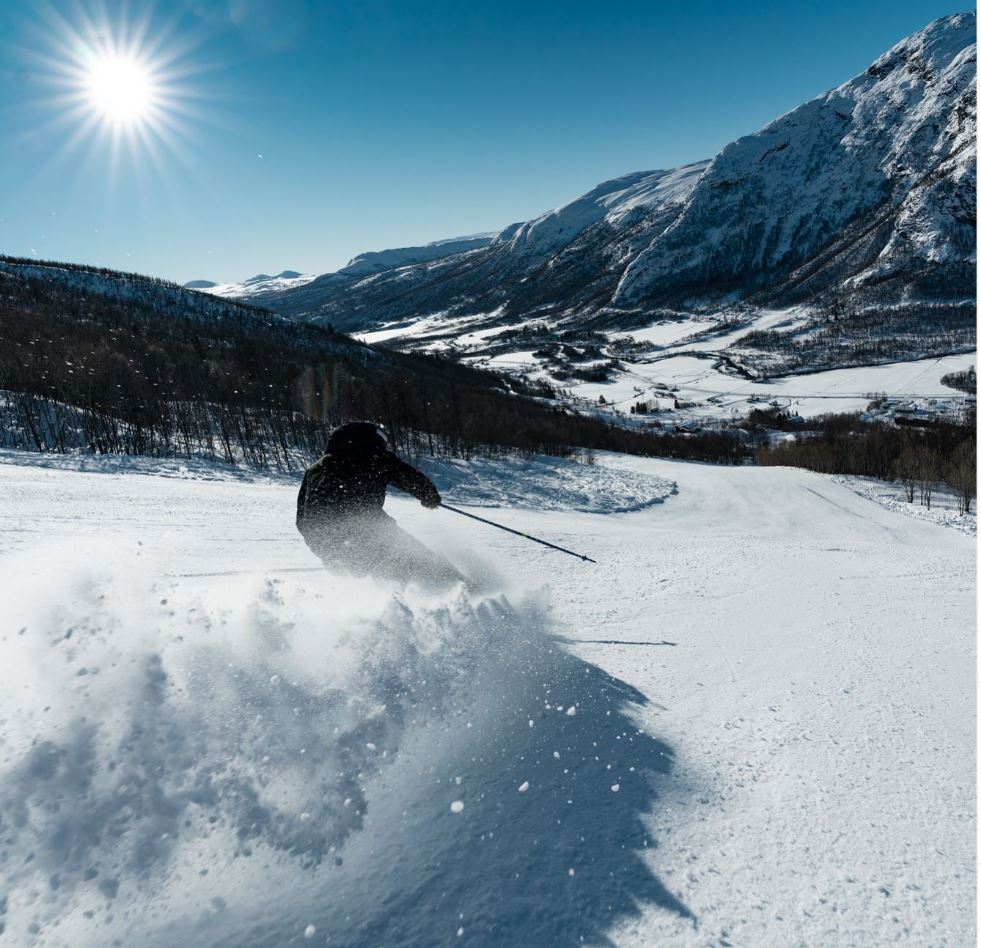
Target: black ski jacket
351,480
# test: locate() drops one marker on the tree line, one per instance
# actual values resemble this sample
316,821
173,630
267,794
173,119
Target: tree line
919,458
966,381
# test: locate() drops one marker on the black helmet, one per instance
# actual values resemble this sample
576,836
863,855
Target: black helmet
358,437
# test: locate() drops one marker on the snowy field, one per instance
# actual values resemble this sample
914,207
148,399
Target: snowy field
716,394
689,366
750,723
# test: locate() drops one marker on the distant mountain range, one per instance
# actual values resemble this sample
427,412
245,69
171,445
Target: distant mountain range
261,287
867,191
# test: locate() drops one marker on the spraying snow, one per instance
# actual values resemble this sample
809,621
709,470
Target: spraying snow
265,758
162,729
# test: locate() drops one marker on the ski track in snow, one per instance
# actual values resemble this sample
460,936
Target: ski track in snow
750,723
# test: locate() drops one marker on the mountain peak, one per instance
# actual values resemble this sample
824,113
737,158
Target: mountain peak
936,44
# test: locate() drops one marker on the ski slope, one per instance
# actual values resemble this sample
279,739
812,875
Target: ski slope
750,723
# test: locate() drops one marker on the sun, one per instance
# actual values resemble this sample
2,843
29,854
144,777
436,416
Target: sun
126,91
120,88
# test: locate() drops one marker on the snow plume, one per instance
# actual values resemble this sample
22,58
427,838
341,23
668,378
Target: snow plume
246,760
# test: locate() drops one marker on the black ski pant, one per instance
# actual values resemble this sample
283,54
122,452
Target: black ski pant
374,545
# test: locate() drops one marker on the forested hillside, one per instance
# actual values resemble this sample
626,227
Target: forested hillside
119,363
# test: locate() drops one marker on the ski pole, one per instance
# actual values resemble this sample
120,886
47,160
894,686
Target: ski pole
518,533
247,572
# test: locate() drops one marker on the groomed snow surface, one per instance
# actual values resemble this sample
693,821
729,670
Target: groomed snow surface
750,723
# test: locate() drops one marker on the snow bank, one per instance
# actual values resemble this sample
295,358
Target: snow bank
546,483
194,469
243,760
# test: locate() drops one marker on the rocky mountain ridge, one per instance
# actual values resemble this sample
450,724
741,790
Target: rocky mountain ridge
868,191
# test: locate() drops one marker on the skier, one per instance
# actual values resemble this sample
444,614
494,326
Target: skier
339,510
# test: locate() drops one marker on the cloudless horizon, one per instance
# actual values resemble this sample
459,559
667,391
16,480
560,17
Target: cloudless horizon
293,135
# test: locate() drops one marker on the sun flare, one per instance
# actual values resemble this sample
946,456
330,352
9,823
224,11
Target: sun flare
120,88
124,90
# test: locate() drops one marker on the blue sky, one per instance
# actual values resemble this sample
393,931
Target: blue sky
383,123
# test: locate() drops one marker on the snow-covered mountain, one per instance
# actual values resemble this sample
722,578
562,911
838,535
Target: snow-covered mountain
366,264
268,289
871,184
870,187
255,289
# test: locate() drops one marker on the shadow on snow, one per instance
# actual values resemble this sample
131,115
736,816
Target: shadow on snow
557,863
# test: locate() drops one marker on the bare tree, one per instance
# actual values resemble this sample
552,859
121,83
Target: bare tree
908,471
962,475
929,473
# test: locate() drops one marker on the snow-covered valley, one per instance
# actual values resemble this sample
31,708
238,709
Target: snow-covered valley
822,262
683,373
750,722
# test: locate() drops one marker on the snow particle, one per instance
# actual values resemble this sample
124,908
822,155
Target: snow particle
309,931
456,806
571,712
572,872
524,787
109,888
274,680
555,754
459,932
615,788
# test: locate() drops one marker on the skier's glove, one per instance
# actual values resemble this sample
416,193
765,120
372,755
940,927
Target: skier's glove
433,500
